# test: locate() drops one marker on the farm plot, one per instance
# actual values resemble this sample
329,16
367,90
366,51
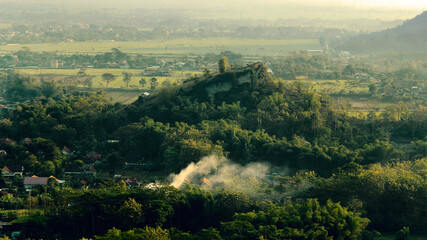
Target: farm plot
247,47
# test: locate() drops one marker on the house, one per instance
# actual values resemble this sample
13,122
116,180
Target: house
66,151
12,170
34,181
89,169
3,153
130,182
6,141
94,156
27,141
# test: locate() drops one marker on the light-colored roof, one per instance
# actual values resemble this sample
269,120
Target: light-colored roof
35,180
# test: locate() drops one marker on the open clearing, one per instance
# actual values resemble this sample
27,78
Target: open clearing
247,47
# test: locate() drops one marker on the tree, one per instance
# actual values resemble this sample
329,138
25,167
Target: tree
142,82
206,72
108,77
127,77
146,233
82,72
166,84
154,83
131,213
222,64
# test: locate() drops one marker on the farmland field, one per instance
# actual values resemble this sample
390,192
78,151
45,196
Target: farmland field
125,97
4,26
336,86
69,77
247,47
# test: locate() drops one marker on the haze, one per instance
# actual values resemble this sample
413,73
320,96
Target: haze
259,9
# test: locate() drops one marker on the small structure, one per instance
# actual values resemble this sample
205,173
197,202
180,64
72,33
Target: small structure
12,170
131,182
34,181
3,153
66,151
89,169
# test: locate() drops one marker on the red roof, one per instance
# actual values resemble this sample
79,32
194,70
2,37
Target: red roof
3,153
94,155
91,168
67,149
6,169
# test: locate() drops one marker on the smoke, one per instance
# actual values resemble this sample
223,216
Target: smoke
206,166
254,179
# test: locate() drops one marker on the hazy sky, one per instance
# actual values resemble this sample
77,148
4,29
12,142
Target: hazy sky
262,9
374,3
420,4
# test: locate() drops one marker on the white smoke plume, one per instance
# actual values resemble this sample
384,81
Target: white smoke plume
218,173
204,167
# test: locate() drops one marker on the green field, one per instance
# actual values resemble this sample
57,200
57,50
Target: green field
4,26
122,96
117,90
69,77
336,86
247,47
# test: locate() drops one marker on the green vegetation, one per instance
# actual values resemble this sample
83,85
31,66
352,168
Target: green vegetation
345,176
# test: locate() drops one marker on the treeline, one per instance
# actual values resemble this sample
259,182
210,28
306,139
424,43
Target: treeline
317,66
113,59
184,214
49,33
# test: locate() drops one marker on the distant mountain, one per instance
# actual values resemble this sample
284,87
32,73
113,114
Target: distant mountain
411,36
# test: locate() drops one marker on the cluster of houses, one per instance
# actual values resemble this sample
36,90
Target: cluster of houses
4,105
29,182
83,174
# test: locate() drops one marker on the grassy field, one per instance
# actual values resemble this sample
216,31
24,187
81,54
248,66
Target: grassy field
69,77
4,26
247,47
122,96
117,90
336,86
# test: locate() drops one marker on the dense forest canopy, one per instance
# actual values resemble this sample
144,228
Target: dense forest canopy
242,115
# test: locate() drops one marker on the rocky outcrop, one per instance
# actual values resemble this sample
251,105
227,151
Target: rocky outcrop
208,87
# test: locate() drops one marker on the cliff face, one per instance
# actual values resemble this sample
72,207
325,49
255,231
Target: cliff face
234,81
245,85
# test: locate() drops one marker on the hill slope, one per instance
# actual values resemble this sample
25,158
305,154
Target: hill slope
410,36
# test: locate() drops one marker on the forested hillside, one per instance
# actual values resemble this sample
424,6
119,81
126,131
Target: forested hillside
303,146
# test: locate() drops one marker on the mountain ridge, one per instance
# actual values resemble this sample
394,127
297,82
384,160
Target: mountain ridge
410,36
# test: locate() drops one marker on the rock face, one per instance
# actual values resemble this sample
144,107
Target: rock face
243,85
245,79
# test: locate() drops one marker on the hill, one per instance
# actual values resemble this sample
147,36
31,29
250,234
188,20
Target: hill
241,85
411,36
